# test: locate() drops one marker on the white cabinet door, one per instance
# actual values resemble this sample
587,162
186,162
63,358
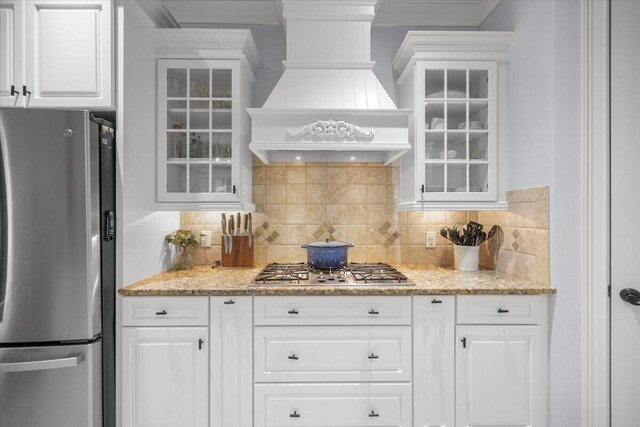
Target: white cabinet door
231,362
11,54
165,377
68,53
433,360
498,376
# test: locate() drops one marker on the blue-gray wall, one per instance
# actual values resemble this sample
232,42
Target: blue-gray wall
545,149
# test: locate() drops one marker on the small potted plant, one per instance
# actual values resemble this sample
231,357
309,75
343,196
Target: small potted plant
182,239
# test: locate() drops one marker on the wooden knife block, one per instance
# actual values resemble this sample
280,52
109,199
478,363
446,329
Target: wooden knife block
241,253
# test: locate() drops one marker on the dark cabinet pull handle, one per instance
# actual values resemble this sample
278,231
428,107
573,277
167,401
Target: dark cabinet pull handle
293,311
110,226
374,312
373,356
373,414
293,357
464,342
294,415
436,301
25,91
14,92
200,342
161,313
500,310
630,296
230,302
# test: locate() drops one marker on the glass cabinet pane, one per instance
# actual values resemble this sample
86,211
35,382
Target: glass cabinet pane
434,178
221,178
198,116
199,83
478,115
177,82
221,115
478,84
434,84
456,178
479,178
221,146
456,115
199,178
434,115
176,178
478,146
176,145
456,83
434,145
176,114
221,84
456,146
199,148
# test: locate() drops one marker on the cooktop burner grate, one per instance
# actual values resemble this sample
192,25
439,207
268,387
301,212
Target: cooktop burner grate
352,274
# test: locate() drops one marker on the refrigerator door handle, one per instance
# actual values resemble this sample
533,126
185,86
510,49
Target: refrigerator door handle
39,365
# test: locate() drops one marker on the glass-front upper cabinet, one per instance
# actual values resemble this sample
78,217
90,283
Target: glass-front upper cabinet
458,155
457,136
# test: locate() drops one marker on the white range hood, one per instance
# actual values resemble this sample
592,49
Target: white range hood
328,106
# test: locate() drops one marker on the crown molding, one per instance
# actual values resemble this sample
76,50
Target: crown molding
205,42
451,45
158,13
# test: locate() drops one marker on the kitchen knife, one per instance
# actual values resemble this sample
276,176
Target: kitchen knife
224,232
250,228
238,225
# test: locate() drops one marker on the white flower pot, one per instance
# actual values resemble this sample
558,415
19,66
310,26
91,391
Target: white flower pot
466,258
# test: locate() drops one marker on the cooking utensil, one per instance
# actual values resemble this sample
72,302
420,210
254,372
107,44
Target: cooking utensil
493,231
444,232
327,254
250,228
225,237
239,223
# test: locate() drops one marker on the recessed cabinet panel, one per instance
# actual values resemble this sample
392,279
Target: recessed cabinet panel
11,45
165,377
498,370
69,56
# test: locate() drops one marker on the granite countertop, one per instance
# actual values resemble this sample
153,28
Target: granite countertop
203,280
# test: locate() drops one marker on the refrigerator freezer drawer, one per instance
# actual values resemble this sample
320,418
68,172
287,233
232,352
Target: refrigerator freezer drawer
51,386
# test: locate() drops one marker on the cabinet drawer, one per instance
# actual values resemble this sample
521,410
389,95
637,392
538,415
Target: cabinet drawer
332,310
332,353
501,309
333,405
162,311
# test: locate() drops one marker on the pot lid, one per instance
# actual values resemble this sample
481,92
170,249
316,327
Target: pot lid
326,243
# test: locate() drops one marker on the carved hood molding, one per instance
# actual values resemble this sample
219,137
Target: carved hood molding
329,105
331,129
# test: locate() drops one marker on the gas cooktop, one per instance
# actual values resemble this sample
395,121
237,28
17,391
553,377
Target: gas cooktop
353,274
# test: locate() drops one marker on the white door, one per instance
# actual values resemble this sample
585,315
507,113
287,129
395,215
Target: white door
11,55
231,362
498,374
165,377
68,53
625,205
433,360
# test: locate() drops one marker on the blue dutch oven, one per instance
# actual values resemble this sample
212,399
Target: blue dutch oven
327,254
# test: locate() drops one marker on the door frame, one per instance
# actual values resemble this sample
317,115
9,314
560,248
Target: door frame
595,35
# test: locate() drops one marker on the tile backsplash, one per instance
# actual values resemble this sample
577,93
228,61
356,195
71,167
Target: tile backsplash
354,202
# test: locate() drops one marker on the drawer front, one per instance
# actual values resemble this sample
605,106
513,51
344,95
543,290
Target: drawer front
165,311
501,309
332,353
332,310
333,405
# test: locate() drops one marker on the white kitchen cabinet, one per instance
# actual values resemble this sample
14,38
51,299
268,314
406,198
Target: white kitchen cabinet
456,84
433,361
231,362
202,126
11,52
499,376
56,53
165,377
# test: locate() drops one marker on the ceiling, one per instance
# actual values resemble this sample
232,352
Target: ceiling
436,13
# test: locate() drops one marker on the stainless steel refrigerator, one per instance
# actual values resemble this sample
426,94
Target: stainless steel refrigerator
57,269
